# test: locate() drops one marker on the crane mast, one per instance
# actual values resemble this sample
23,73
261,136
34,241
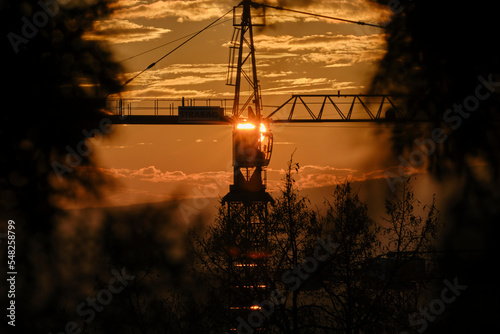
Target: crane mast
243,52
247,202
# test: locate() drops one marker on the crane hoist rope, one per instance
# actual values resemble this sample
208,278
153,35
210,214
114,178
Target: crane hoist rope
176,48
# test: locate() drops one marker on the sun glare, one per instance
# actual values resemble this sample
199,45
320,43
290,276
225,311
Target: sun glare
245,126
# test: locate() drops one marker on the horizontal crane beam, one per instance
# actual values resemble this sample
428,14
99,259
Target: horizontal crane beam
163,120
313,121
174,120
300,108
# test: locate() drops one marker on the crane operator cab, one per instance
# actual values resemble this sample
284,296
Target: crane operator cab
252,148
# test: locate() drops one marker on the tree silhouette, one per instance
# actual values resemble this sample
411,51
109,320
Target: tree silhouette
210,258
149,242
408,269
348,224
340,272
294,230
405,231
379,273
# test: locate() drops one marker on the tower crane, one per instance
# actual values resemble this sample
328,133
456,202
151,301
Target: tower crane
246,203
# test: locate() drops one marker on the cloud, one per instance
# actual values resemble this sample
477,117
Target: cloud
262,55
178,80
142,144
155,175
151,184
198,10
192,10
309,176
316,176
200,80
332,50
279,74
157,91
304,81
181,75
308,86
117,31
127,3
197,68
355,10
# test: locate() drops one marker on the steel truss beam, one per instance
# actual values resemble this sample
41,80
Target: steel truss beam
342,108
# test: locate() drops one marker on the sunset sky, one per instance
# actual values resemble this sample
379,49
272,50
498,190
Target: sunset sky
295,54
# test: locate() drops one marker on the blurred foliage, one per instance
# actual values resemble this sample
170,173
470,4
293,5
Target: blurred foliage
444,57
55,85
436,53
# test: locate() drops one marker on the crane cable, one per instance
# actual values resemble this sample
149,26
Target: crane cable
167,43
323,16
176,48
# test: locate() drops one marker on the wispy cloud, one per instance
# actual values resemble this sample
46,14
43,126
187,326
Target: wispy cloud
181,74
198,80
309,176
117,31
316,176
156,175
332,50
193,10
178,80
197,10
304,81
157,91
152,184
142,144
356,10
197,68
315,86
282,60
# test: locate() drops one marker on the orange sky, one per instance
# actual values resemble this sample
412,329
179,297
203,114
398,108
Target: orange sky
295,54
